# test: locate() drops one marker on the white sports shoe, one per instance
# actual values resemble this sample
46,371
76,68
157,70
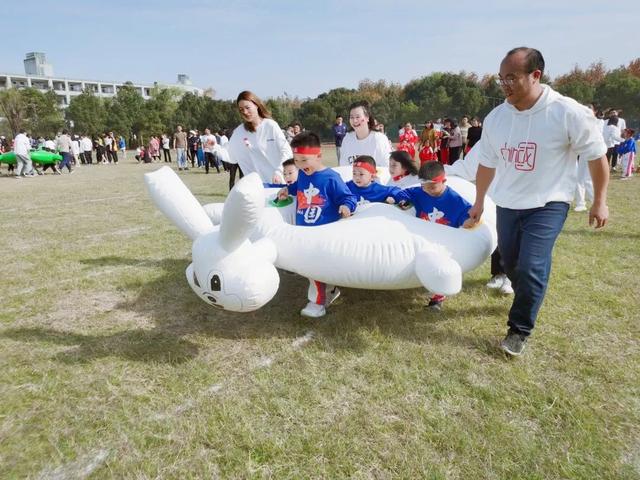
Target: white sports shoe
332,295
580,208
313,310
506,288
496,281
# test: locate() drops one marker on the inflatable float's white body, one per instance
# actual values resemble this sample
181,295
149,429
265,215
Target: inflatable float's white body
379,247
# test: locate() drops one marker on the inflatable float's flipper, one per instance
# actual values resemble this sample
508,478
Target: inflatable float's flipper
437,271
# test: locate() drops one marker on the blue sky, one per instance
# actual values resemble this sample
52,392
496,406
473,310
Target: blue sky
305,48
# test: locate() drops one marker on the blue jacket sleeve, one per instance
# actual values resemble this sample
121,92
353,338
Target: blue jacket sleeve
293,188
399,195
344,196
463,208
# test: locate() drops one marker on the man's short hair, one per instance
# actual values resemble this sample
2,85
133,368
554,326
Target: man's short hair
533,58
430,170
305,139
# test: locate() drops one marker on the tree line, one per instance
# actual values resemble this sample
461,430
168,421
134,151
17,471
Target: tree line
438,95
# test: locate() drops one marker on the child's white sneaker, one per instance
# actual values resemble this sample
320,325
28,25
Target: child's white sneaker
313,310
332,296
496,281
506,288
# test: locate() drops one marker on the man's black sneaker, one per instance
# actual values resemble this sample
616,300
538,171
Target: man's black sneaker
513,344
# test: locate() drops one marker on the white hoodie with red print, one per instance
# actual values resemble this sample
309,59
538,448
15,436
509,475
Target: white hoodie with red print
534,151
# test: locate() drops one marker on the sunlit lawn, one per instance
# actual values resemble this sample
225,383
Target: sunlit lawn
110,366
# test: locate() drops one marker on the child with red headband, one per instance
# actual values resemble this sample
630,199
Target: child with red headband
322,197
435,202
368,191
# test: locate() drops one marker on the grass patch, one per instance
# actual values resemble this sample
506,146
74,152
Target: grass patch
111,367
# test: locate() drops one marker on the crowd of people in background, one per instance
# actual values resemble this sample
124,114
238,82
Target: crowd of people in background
445,140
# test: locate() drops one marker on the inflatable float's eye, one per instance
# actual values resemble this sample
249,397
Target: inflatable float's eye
195,280
215,283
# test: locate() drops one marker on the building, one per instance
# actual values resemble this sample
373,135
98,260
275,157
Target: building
39,75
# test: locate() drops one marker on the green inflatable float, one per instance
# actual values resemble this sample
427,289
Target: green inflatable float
37,156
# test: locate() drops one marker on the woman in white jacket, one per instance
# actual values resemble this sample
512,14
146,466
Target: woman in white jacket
257,144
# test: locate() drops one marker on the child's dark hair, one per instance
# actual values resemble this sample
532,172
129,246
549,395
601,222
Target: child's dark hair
288,163
404,159
365,159
430,170
305,139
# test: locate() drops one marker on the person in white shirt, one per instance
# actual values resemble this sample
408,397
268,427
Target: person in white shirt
209,143
622,123
612,138
530,143
63,145
364,139
86,145
75,150
21,147
257,144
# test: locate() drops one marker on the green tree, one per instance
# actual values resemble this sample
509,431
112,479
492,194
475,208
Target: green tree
159,110
620,89
32,110
125,113
446,94
13,109
88,113
45,118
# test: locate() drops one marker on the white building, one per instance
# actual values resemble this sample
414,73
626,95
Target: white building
39,75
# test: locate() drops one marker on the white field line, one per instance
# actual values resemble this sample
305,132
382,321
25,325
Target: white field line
73,202
83,467
262,362
124,231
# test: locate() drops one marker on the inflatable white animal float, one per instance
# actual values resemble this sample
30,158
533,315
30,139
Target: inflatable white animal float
238,245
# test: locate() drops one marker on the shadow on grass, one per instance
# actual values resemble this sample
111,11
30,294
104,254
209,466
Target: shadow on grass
176,312
135,345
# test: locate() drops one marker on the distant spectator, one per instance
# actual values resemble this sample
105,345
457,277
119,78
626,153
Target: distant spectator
180,146
339,131
63,145
166,148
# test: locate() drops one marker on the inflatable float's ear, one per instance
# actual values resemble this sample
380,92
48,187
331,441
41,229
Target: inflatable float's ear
241,212
214,212
437,272
174,199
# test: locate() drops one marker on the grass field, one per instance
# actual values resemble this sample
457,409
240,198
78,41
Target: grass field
111,367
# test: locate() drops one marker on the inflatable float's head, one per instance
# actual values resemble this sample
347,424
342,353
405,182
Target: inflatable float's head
228,270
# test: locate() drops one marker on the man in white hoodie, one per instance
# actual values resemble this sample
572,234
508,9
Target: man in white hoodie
531,141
